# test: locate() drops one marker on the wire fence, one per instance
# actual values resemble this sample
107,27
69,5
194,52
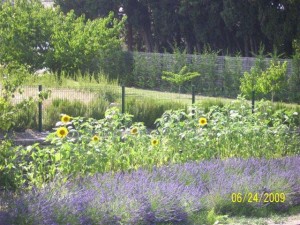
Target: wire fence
85,101
220,76
93,101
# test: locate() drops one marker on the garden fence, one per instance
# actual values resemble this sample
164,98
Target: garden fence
220,76
91,102
86,101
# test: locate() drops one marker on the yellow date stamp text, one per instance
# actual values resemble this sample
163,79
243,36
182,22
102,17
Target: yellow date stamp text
265,197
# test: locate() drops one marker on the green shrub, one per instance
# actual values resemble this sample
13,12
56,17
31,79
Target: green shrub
63,106
95,109
7,167
147,110
231,76
12,77
7,115
206,104
26,118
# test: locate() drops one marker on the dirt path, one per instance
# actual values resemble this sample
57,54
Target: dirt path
291,220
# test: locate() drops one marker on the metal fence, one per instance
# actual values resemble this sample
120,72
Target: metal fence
86,101
220,75
92,101
168,60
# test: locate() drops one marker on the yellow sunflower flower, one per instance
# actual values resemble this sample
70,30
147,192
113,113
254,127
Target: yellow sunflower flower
202,121
154,142
65,118
95,138
62,132
134,131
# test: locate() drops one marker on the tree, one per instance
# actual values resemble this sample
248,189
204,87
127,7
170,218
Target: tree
240,18
230,25
25,31
279,22
41,37
273,79
89,8
12,76
77,45
249,82
179,78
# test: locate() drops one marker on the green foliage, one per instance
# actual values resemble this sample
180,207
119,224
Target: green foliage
146,71
25,30
95,109
209,81
12,76
249,82
294,79
7,166
121,144
42,37
229,24
79,45
27,117
179,78
148,110
7,115
231,75
273,79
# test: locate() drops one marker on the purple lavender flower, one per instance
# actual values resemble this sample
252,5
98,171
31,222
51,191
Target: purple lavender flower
166,194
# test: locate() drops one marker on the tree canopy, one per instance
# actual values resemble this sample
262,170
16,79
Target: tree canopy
43,37
230,25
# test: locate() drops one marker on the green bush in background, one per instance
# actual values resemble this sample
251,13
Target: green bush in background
147,110
75,108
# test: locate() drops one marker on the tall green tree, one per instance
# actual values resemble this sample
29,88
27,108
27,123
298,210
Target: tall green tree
280,22
230,25
241,19
41,37
77,45
25,32
91,9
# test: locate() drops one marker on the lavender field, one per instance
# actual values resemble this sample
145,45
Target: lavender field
174,194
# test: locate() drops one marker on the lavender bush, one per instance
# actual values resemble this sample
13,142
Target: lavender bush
174,194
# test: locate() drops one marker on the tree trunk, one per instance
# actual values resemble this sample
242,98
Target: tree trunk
246,47
146,34
129,37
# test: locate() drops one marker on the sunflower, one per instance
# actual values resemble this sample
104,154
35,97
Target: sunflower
95,138
134,131
65,118
154,142
202,121
62,132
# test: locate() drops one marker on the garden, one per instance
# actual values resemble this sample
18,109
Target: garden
166,159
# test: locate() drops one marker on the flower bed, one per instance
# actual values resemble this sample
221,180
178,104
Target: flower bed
173,194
